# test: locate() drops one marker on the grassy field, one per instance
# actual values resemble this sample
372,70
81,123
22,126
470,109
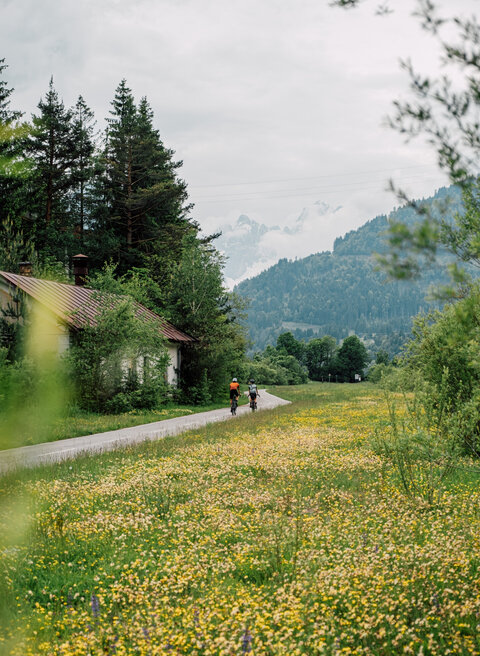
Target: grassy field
280,533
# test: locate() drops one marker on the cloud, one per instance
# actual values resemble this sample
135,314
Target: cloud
245,92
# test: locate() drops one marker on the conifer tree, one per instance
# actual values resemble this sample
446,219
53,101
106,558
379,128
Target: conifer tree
14,247
83,166
148,215
12,167
119,169
52,150
160,197
6,114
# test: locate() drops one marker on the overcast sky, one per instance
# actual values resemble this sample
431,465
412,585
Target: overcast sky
272,105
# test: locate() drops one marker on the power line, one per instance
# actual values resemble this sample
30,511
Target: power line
286,193
338,187
314,177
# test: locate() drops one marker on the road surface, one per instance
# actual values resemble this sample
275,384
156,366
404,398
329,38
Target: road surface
49,452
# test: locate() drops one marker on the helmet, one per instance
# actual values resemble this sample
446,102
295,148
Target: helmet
252,380
234,380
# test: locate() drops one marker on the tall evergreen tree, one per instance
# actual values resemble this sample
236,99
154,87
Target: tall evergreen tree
83,166
14,248
119,170
160,196
12,167
6,114
148,212
52,149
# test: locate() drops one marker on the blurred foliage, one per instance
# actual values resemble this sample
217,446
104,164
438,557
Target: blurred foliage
34,387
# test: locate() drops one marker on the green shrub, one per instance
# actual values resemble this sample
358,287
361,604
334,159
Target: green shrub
377,372
267,373
445,355
280,370
151,394
200,394
104,357
119,403
422,443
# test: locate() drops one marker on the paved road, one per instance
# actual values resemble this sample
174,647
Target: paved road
29,456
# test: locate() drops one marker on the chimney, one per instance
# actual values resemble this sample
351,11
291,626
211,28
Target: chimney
25,269
80,269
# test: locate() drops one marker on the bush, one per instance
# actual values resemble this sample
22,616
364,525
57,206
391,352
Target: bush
445,355
265,372
150,394
200,394
421,444
119,403
276,369
296,373
376,373
104,358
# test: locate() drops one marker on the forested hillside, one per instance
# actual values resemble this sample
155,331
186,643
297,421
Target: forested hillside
343,291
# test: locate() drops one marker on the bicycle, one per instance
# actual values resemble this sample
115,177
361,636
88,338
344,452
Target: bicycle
233,406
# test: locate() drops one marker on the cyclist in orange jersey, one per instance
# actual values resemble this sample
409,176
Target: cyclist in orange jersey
234,390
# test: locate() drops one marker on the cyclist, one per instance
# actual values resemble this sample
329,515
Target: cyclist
234,394
252,393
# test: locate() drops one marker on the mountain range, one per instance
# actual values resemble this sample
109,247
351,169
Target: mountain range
342,292
251,246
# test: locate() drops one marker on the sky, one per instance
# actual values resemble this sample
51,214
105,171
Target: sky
275,107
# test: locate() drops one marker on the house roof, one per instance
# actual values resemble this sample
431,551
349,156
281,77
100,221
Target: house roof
80,306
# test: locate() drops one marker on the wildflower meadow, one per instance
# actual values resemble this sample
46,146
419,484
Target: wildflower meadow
286,532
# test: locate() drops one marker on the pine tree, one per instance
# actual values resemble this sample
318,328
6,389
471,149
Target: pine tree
14,247
52,150
12,166
160,197
148,211
83,167
119,169
6,114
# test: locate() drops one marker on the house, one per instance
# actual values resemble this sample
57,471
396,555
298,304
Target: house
66,309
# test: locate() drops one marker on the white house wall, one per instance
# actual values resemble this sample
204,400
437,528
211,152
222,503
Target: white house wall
173,365
171,373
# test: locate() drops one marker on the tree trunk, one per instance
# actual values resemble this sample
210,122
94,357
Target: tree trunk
48,209
129,195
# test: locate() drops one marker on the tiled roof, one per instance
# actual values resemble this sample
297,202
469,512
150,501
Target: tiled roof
79,306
